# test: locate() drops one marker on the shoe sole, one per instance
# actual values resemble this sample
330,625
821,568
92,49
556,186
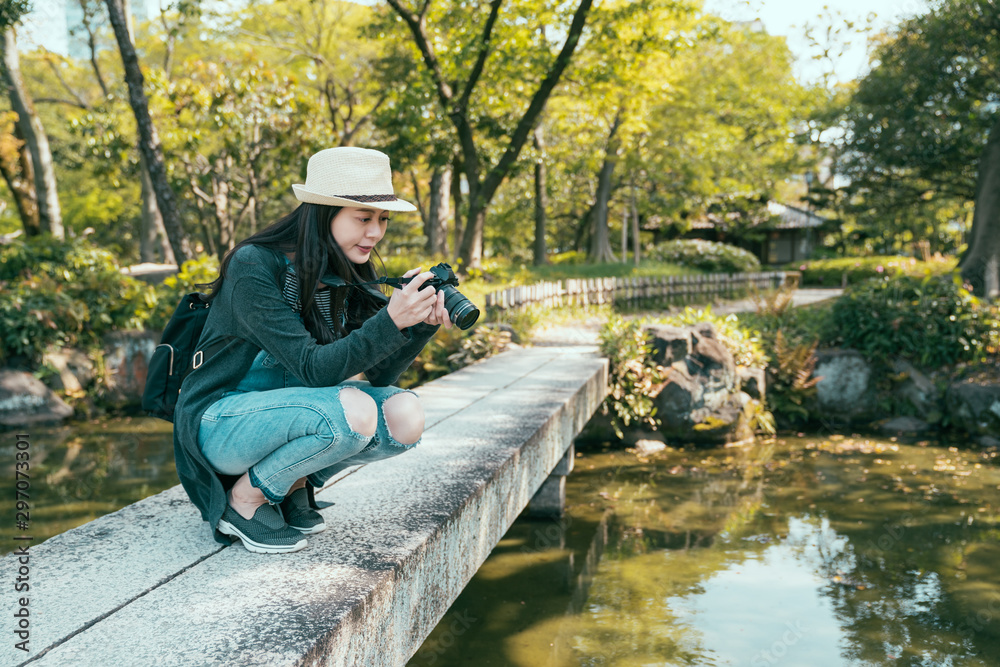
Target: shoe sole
259,547
318,528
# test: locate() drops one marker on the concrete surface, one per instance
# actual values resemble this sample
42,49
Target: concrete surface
147,585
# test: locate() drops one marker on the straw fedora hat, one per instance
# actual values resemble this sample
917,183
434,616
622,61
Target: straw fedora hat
349,176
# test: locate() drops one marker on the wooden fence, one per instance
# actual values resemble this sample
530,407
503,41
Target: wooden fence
637,291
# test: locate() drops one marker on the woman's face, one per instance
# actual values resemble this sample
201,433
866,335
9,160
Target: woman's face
357,230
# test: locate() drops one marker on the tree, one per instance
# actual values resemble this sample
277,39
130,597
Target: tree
32,133
924,124
321,42
455,84
233,126
149,141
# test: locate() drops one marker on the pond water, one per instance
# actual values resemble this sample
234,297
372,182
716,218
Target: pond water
81,471
799,552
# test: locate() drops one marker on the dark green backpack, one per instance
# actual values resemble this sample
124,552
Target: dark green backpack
176,356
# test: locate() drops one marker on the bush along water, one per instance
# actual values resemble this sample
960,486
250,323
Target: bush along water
931,321
707,256
637,378
63,293
839,271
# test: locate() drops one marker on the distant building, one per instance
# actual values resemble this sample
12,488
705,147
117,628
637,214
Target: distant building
789,235
57,25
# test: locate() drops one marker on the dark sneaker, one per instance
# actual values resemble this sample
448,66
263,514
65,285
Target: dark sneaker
265,533
295,508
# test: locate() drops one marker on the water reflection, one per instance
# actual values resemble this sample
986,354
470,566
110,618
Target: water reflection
814,552
84,470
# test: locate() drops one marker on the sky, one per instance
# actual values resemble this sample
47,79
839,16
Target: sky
788,18
48,24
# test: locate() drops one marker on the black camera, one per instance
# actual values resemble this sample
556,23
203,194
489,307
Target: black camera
462,311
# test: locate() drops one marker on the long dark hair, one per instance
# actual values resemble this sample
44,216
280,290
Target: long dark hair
306,232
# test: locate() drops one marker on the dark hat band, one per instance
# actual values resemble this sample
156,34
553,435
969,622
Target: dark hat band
368,198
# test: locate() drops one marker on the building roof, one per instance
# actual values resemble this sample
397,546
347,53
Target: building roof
783,217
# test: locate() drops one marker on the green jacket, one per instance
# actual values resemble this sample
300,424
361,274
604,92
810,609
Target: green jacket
251,311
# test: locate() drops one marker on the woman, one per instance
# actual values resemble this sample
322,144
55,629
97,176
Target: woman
274,414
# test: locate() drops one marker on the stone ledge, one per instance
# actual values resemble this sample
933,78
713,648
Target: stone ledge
405,536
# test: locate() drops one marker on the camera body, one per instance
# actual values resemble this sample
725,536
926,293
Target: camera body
461,311
443,275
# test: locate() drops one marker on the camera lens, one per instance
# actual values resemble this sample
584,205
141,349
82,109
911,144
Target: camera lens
462,311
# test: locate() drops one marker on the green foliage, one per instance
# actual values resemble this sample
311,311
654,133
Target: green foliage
11,12
707,256
831,272
790,384
931,321
64,293
632,378
918,122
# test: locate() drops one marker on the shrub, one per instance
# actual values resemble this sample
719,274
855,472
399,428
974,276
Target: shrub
55,293
632,378
706,256
831,272
932,321
790,382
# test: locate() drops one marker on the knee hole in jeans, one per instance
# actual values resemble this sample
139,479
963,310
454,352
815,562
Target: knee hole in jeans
404,417
360,411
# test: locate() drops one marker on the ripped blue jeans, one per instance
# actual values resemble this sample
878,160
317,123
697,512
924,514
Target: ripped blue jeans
279,431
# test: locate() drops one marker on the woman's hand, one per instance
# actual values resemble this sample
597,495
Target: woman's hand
439,315
412,305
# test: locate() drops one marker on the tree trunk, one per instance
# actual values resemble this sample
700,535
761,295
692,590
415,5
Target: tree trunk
456,195
254,185
541,199
600,244
154,245
636,246
35,139
20,180
582,235
438,212
471,252
220,202
624,234
153,242
979,264
482,188
149,142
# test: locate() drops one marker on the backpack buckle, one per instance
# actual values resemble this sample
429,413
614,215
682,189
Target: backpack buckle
198,359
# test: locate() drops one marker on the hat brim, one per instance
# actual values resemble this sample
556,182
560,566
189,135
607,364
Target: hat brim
309,197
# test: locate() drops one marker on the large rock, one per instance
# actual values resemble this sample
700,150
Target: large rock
75,369
974,407
753,381
24,399
844,391
127,355
918,390
669,344
700,401
905,425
